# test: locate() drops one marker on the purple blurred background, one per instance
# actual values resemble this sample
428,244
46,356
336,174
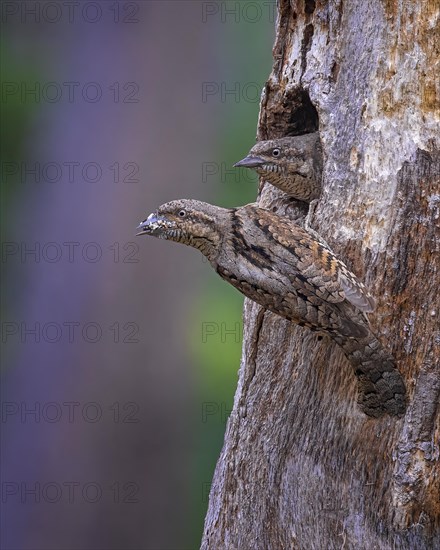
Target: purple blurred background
119,354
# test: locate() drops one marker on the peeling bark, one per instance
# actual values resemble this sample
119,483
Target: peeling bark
301,466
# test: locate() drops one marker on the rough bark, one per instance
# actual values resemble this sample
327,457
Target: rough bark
302,466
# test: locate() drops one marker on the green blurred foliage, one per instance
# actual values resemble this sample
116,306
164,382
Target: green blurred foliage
16,120
16,115
217,360
246,51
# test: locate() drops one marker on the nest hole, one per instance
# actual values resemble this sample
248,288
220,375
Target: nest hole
294,115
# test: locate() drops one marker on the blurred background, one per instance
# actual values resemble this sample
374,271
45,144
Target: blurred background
119,354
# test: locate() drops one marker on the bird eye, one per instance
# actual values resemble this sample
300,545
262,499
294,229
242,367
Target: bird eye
276,152
182,213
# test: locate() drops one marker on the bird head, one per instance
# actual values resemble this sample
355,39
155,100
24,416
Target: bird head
187,221
290,155
273,152
292,163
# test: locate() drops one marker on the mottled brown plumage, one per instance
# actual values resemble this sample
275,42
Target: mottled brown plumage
285,269
293,164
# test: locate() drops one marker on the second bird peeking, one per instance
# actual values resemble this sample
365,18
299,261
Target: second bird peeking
293,164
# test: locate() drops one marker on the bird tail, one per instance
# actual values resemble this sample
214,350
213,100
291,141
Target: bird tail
381,389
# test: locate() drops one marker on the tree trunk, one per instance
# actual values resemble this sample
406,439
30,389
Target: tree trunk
302,466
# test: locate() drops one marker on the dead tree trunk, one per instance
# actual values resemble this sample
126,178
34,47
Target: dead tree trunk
302,466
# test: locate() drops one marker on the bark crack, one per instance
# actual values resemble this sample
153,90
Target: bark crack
251,363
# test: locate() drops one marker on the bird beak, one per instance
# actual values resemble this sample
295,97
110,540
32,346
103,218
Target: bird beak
153,225
250,162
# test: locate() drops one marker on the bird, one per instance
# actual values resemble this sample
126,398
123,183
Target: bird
293,164
284,268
